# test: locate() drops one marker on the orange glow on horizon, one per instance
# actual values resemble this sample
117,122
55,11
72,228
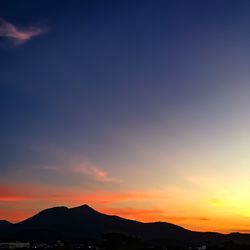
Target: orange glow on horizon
18,202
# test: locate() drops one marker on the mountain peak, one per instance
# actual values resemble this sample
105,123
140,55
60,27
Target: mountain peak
84,207
54,209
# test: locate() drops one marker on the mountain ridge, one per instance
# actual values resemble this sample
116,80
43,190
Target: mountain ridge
84,222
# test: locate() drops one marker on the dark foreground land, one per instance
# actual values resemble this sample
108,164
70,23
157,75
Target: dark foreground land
117,241
121,243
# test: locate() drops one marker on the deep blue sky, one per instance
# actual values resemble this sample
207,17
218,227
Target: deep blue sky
152,90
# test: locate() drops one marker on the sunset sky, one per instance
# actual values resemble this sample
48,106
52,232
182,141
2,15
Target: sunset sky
138,108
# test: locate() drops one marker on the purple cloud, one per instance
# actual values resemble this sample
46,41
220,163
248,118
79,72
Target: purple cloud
18,35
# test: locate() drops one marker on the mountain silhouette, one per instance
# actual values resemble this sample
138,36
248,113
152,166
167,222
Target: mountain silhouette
83,222
4,225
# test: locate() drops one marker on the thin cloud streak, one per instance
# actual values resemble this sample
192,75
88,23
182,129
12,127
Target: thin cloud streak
150,215
21,192
88,170
94,173
18,35
107,198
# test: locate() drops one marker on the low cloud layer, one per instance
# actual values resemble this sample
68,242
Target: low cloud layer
16,34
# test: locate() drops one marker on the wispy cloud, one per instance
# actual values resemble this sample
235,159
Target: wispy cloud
94,172
90,171
18,35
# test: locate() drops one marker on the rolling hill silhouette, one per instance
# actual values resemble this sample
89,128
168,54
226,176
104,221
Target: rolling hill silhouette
80,223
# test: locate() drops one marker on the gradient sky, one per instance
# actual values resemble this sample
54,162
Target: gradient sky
138,108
